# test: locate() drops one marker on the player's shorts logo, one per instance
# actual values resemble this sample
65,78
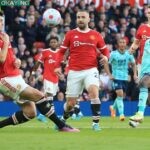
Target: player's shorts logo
18,86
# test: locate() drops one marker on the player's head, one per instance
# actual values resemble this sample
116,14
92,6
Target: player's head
122,43
83,19
1,21
147,12
53,42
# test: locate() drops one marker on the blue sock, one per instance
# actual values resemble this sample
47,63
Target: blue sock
142,100
120,106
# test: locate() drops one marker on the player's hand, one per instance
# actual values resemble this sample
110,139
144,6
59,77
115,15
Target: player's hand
17,63
58,72
103,60
111,77
135,77
131,50
4,37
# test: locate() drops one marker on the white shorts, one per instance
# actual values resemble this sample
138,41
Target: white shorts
78,80
12,86
50,87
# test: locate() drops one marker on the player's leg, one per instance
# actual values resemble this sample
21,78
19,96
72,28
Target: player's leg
119,104
50,90
91,82
143,95
45,108
74,89
27,112
113,107
77,111
16,87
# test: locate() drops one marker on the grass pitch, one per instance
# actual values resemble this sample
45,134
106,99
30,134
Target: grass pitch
115,135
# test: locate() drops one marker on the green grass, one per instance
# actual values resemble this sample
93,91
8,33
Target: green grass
115,135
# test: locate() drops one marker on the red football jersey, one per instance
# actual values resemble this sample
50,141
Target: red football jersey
7,69
143,33
83,48
48,58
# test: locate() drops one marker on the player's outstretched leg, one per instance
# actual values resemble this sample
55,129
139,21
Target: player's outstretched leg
27,113
45,108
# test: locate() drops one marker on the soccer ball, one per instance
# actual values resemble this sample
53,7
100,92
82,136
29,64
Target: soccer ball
133,124
52,17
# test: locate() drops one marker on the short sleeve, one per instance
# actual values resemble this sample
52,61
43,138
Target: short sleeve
138,33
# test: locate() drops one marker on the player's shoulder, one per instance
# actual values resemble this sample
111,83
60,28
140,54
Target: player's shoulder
45,50
94,32
48,50
71,31
143,26
114,52
127,52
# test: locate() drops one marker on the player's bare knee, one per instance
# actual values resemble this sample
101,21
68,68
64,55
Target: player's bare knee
119,93
145,82
29,110
93,91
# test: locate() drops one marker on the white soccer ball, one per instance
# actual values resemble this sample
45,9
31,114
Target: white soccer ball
133,124
52,17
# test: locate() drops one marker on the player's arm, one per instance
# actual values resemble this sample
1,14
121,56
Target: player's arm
107,68
134,67
17,63
59,59
63,49
4,49
61,52
135,71
136,43
38,61
134,46
35,67
102,46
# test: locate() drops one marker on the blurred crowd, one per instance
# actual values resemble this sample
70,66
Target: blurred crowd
29,34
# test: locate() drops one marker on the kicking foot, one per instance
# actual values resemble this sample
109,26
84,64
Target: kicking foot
68,128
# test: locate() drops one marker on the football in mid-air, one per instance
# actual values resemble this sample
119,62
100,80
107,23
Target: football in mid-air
52,16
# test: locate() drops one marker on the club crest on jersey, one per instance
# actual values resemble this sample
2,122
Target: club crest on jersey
92,37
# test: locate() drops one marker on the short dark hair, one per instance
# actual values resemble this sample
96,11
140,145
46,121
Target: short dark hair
53,38
1,14
83,10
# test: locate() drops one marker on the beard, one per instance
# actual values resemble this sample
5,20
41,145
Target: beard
81,26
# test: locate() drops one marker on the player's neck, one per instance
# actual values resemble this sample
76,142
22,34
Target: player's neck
121,51
148,23
85,30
